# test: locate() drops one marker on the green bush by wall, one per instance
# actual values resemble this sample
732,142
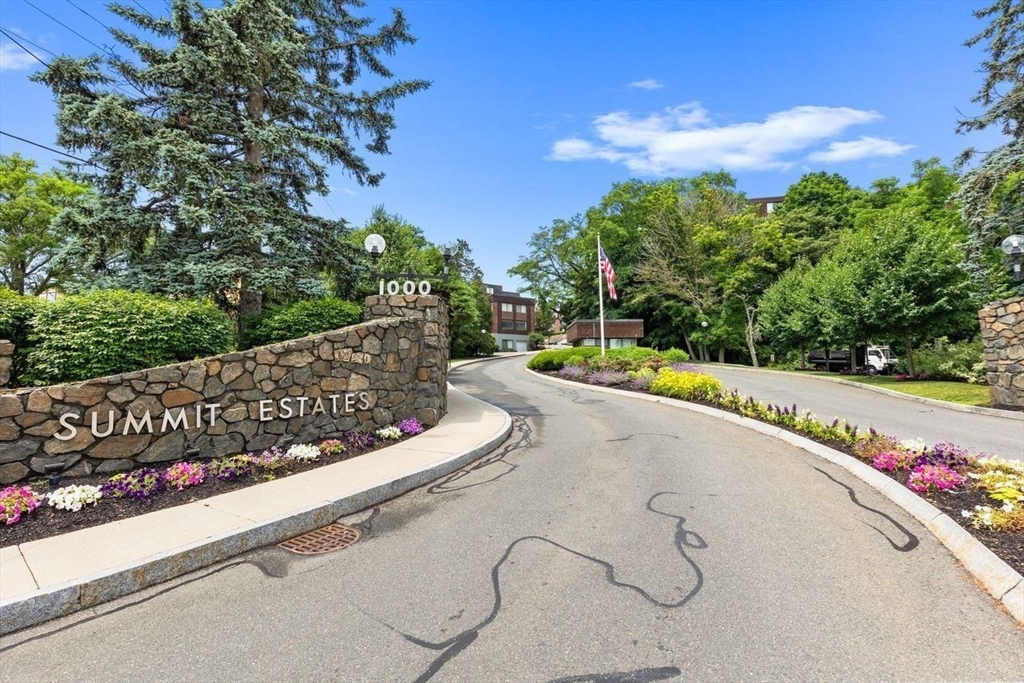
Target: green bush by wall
16,315
300,319
106,332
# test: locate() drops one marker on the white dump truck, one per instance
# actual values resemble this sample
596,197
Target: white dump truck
868,359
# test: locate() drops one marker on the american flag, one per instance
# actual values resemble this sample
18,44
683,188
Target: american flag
609,273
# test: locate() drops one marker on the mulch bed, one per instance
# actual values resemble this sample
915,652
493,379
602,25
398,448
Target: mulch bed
47,521
1007,545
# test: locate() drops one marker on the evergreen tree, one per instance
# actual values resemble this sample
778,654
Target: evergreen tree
207,146
992,194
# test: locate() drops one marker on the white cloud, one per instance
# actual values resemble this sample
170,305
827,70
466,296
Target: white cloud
13,58
859,149
684,138
647,84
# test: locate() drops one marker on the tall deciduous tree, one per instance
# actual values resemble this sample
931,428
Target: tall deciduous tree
31,237
992,193
219,132
817,208
711,252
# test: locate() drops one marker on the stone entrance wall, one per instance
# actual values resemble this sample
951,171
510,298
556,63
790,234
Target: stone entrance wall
1002,331
393,366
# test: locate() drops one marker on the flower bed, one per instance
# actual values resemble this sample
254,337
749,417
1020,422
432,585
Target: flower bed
985,495
31,512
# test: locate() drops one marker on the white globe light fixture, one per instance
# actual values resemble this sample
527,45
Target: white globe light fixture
374,245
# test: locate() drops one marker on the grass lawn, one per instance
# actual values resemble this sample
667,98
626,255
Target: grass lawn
954,392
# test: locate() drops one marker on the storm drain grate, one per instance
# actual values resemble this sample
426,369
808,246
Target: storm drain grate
324,540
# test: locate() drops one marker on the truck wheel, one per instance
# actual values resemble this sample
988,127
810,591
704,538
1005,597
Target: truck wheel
872,371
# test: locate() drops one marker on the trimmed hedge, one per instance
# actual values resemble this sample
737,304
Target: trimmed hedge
675,356
554,359
625,359
106,332
300,319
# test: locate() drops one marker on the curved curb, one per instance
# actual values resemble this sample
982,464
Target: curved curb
484,359
977,410
60,600
998,578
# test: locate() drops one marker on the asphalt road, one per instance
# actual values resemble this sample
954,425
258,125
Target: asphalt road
993,435
609,540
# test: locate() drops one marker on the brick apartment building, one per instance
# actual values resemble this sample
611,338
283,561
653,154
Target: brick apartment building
512,318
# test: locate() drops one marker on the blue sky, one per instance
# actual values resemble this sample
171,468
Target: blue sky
537,108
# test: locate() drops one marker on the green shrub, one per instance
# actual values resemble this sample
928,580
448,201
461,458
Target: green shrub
629,358
535,341
675,356
108,332
17,314
300,319
554,359
687,386
960,362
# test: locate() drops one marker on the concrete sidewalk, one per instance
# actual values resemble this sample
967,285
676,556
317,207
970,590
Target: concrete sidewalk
52,577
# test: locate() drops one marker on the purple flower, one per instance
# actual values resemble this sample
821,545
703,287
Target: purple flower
137,484
359,440
410,426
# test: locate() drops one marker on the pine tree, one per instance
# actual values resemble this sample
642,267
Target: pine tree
207,145
992,194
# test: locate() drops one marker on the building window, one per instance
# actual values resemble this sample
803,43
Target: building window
490,290
521,308
521,325
506,308
506,324
508,345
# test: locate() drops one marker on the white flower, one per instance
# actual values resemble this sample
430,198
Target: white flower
966,513
304,452
389,433
916,445
1007,507
74,497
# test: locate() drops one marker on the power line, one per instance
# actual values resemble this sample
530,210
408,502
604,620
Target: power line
66,26
15,41
38,47
144,9
87,14
51,149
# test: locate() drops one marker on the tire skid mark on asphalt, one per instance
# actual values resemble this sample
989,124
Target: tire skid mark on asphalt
522,437
268,572
912,541
452,647
660,673
627,438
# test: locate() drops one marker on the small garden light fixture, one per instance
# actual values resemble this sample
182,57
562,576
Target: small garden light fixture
53,474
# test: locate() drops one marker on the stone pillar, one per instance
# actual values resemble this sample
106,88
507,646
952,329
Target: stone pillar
431,381
6,361
1002,332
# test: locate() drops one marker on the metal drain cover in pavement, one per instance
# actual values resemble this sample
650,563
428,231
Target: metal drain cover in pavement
331,537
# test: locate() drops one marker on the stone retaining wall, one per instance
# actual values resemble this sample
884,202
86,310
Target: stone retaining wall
1002,332
391,367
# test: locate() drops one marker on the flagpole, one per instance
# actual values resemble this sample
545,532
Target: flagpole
600,291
